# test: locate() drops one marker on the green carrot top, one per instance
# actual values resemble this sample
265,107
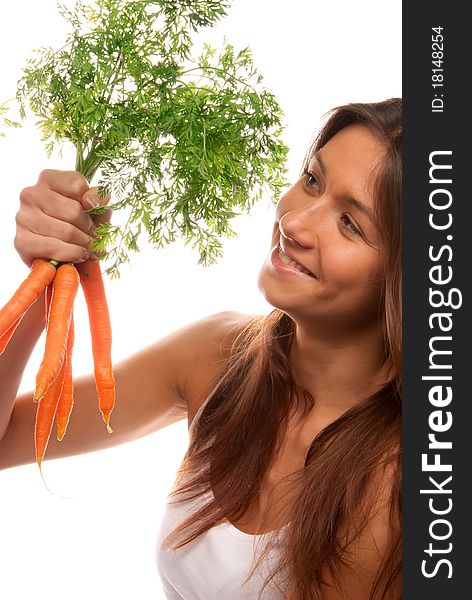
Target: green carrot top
184,144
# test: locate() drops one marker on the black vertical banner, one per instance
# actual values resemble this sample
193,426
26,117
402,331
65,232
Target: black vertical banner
437,314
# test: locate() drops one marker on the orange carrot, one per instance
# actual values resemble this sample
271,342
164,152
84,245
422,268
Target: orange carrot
66,400
47,308
47,303
45,416
65,288
41,274
48,403
8,334
100,329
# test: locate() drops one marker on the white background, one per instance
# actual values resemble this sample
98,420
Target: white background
100,543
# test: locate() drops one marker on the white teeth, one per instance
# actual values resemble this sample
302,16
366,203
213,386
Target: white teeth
288,261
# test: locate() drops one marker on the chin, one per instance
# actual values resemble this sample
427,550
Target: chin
268,289
274,295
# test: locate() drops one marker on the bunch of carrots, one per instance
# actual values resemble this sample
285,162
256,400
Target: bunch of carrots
54,392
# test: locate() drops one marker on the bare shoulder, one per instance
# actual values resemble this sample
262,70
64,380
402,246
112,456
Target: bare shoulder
203,349
217,330
170,378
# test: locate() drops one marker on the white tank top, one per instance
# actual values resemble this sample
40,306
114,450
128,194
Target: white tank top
216,565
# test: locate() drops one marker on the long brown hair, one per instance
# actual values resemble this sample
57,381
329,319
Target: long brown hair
239,432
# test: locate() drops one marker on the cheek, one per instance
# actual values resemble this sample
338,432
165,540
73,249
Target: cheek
355,273
373,286
376,273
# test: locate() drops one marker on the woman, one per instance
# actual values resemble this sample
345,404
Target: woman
290,487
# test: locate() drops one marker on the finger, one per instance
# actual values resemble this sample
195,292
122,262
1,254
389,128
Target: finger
104,217
38,222
68,183
91,199
60,207
49,248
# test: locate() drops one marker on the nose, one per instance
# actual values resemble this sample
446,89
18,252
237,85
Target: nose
296,226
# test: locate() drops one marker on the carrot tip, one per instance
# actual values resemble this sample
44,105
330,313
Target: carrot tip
39,461
61,430
106,418
38,393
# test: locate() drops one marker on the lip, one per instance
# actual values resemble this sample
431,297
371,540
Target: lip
278,265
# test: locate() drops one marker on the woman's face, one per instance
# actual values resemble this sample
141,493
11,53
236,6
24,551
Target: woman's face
325,261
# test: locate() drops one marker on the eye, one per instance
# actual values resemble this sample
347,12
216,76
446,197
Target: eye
349,225
310,179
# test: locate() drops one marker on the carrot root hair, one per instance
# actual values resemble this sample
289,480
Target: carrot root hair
106,418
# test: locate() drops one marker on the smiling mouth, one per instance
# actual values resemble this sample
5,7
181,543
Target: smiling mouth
293,263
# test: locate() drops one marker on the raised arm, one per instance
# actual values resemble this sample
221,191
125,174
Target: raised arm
155,387
52,224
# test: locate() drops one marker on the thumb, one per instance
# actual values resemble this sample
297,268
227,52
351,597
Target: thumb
92,199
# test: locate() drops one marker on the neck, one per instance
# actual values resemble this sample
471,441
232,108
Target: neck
337,371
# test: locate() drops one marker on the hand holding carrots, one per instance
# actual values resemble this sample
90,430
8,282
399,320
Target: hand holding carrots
52,223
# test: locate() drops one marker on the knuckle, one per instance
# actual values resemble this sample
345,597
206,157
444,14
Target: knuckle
20,231
77,184
20,249
45,175
19,219
27,195
22,244
17,243
75,211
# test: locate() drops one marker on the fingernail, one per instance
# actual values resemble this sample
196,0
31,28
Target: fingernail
85,254
92,228
92,201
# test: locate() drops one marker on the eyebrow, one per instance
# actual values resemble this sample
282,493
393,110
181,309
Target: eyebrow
361,207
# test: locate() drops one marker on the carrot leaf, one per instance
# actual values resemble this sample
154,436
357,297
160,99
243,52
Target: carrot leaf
5,121
183,143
